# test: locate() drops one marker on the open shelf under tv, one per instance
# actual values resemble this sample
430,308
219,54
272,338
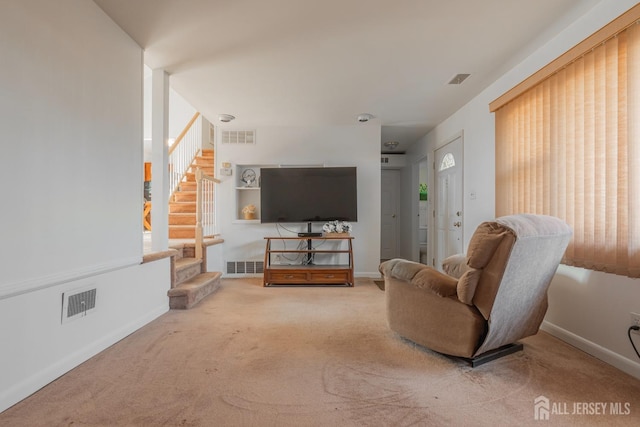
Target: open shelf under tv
308,274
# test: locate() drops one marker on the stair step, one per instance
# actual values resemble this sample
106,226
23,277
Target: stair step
186,269
188,218
207,152
207,170
180,251
191,292
184,196
182,207
188,186
190,177
204,161
182,232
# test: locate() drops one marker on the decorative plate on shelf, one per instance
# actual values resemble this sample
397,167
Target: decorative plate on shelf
248,177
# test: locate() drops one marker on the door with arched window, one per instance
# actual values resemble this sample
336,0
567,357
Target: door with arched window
448,201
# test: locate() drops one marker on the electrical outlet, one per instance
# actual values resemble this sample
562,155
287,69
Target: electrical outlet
635,320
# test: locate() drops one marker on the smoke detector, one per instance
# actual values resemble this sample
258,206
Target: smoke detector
225,118
365,117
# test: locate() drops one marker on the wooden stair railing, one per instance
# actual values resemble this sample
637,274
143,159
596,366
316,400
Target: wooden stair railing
183,152
205,209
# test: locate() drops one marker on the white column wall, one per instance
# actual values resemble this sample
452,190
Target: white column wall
160,160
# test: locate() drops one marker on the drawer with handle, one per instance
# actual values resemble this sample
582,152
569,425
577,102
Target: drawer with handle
330,277
288,277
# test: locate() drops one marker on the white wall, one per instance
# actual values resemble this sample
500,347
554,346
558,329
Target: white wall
70,114
357,145
588,309
71,169
37,347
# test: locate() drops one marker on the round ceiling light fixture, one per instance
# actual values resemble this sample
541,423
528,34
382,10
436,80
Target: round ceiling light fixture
365,117
225,118
391,145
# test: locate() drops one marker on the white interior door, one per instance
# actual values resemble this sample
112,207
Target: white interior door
423,213
448,202
390,211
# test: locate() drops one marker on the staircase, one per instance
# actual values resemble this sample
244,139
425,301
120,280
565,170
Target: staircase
190,282
182,207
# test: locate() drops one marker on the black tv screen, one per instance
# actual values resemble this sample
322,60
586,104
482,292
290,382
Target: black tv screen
308,194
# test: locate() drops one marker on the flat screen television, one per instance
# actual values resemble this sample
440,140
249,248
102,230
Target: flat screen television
308,194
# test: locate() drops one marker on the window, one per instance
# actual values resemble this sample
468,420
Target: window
569,146
448,161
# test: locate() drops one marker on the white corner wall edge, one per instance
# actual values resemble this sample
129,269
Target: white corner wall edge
614,359
18,288
20,391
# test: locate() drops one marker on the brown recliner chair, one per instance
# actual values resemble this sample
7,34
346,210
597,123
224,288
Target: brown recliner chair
491,297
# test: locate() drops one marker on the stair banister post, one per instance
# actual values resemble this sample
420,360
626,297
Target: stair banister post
199,237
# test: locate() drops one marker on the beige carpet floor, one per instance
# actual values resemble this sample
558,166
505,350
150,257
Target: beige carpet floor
254,356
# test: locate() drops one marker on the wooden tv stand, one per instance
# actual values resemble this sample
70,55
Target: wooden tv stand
308,274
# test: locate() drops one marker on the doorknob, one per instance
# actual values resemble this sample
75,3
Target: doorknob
393,216
457,224
458,213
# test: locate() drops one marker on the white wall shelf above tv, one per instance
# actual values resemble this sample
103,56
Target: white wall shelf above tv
247,192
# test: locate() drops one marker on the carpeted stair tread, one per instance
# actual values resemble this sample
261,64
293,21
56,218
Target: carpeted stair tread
194,290
184,263
186,268
197,282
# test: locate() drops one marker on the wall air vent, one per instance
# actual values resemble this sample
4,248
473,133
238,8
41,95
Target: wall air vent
238,137
78,304
393,161
245,267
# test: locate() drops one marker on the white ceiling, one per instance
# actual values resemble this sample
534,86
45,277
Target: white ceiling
310,62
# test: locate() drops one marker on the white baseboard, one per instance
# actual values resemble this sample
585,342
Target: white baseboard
614,359
39,379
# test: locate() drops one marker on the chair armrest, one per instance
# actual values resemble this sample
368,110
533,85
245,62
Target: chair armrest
421,276
455,265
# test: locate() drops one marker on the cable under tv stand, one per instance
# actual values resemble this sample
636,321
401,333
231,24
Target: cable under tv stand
308,274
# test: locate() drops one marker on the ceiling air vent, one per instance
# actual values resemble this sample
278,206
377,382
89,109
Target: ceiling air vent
238,137
458,79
